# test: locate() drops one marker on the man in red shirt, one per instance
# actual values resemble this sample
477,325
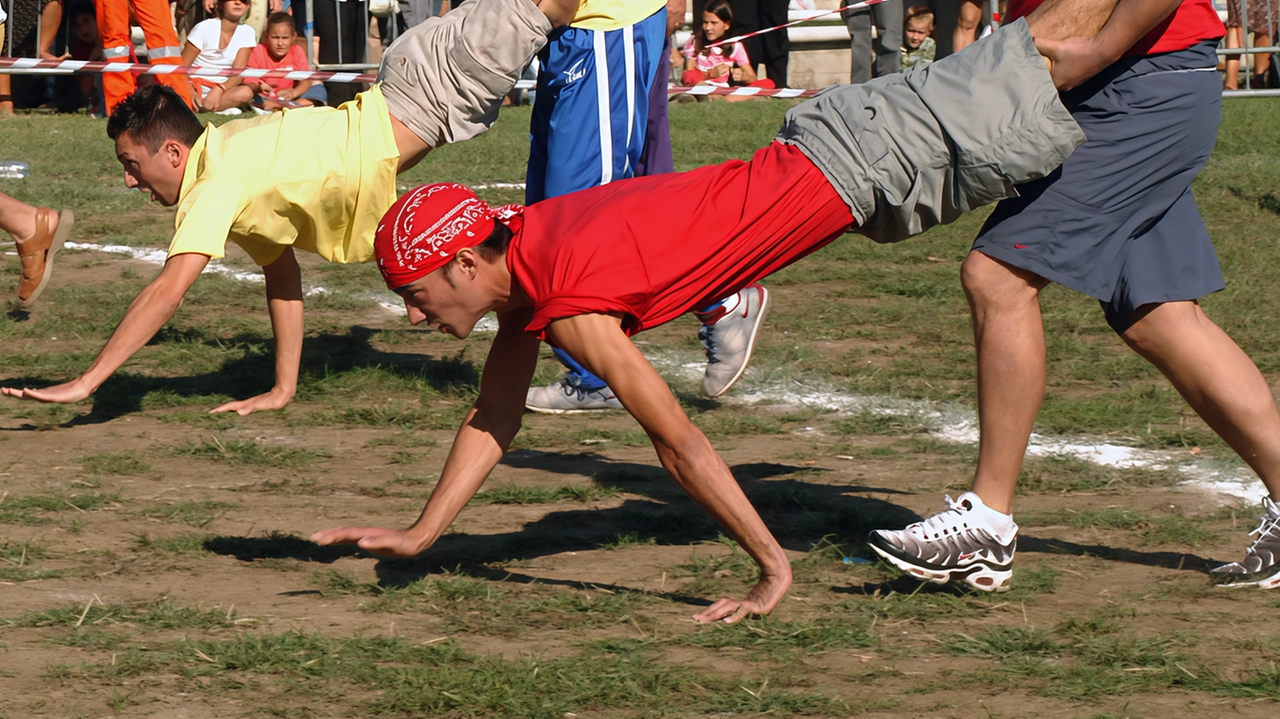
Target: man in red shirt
584,271
1117,222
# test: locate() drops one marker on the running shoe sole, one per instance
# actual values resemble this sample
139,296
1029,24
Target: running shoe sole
1268,579
983,576
751,346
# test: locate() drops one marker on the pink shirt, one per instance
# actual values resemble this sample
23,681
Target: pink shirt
732,55
295,59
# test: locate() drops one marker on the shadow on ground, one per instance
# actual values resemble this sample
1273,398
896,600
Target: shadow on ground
323,356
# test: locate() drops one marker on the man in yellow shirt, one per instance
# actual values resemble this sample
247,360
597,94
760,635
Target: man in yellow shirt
316,179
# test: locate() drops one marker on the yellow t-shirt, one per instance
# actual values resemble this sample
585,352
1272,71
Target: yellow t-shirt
614,14
318,179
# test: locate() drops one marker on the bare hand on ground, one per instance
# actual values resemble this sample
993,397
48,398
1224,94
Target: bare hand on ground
60,393
762,598
275,399
383,542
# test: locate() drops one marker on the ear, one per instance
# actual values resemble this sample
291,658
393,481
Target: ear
468,262
175,153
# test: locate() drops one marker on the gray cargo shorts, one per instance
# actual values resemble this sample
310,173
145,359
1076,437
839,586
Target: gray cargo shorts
910,151
445,79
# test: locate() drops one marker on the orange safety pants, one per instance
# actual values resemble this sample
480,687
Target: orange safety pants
162,45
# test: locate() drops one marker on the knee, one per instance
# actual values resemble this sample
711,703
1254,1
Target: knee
1150,328
991,284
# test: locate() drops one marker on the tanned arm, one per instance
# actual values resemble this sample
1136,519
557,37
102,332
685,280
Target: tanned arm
1085,52
284,303
482,439
148,312
598,342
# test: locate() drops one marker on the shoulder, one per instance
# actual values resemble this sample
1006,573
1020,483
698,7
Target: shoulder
202,31
298,58
244,36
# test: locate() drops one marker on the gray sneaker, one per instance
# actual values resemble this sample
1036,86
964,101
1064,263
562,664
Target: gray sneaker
729,337
566,397
1261,564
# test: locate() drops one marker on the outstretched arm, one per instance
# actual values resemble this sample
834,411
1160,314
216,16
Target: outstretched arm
598,342
1088,48
284,303
148,312
481,441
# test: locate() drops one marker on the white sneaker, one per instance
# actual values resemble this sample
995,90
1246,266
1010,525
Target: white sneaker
729,334
969,541
1261,564
566,397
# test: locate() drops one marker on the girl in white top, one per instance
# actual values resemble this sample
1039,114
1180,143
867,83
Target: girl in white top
221,42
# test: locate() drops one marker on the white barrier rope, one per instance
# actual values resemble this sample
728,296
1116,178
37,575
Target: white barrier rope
33,66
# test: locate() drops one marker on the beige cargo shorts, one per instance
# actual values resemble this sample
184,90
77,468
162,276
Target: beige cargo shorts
910,151
445,79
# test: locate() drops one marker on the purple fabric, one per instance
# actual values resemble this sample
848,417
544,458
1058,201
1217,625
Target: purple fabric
656,158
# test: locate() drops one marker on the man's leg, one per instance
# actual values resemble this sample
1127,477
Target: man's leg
162,43
1226,389
588,129
889,42
1216,378
1004,302
859,24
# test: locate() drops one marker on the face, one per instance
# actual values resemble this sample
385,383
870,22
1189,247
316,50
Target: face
85,28
713,27
158,174
234,9
918,28
452,308
279,38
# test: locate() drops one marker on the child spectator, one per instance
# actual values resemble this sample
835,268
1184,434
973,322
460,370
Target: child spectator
723,65
918,47
278,51
221,42
76,91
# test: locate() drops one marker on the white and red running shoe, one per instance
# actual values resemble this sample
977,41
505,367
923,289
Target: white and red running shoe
1261,564
728,334
969,541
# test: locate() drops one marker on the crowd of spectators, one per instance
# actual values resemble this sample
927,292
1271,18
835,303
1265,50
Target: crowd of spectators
884,39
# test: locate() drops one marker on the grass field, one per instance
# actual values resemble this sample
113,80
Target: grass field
152,560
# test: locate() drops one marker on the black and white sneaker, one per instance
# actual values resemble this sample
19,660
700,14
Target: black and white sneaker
1261,564
969,541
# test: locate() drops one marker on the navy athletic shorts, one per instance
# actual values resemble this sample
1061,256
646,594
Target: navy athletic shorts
1118,221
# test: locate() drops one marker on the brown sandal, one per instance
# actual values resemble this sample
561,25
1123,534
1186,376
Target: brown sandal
37,253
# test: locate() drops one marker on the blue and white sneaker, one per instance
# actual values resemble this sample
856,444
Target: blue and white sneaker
567,397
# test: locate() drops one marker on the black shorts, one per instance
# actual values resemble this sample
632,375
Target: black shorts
1118,221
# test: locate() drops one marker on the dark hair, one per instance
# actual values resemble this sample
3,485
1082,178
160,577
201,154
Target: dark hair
491,250
82,8
916,11
280,18
719,8
152,116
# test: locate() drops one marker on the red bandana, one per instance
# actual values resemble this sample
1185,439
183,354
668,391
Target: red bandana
425,229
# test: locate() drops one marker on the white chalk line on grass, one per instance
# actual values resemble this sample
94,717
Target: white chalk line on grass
951,422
